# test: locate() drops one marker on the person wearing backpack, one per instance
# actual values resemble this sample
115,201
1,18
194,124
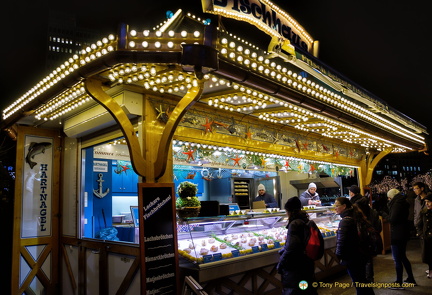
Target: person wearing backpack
294,265
372,216
348,244
399,236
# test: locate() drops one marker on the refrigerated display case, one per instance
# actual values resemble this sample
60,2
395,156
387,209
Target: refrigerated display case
214,248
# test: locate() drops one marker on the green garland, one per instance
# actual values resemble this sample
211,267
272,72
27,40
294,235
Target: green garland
261,235
227,243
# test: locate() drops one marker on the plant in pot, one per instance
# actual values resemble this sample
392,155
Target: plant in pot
187,202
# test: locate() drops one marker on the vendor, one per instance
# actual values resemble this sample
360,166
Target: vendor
310,196
266,197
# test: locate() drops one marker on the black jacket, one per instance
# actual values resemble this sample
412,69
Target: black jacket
347,239
268,199
425,226
294,265
398,218
371,214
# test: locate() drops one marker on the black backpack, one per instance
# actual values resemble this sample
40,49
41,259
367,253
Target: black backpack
370,239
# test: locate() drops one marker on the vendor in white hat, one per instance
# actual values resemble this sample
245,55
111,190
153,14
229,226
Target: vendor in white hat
310,196
266,197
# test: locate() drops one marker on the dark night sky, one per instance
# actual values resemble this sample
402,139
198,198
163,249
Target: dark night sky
382,46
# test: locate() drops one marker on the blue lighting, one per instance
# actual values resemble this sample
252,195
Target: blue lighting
169,14
207,22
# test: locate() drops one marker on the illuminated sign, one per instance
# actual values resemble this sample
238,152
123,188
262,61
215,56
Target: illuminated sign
264,15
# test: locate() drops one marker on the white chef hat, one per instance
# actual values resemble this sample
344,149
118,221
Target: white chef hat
312,185
261,187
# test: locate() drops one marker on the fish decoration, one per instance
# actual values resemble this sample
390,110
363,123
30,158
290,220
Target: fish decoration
191,175
262,135
236,160
248,134
312,169
34,149
220,124
163,115
232,128
190,120
208,126
206,175
298,145
286,139
122,166
190,155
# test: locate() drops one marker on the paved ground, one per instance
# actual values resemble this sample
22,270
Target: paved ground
385,273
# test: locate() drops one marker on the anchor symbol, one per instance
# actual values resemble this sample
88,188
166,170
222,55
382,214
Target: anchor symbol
219,174
99,192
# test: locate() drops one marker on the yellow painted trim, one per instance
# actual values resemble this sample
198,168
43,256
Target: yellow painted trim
94,89
50,243
192,96
369,165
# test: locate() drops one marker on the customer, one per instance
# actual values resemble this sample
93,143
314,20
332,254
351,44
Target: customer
399,235
310,196
372,216
266,197
294,265
421,190
357,198
348,241
425,225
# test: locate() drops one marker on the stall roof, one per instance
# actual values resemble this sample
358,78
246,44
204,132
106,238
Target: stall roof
285,91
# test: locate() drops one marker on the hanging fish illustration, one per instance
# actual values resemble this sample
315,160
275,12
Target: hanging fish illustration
34,149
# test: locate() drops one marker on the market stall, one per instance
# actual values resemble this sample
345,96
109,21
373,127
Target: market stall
114,129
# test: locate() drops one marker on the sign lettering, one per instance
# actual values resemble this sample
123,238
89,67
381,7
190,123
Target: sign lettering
264,15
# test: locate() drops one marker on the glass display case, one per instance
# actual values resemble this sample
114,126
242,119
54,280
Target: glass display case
213,239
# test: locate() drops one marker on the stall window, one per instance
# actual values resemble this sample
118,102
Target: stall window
110,193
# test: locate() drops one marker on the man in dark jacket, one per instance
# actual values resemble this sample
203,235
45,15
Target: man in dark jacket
420,189
399,235
269,200
361,201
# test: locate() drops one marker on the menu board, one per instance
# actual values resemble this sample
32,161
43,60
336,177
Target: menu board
158,238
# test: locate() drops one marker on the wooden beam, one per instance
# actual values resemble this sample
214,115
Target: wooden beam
94,88
192,96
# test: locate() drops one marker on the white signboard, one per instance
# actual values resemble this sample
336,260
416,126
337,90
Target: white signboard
111,151
37,187
100,166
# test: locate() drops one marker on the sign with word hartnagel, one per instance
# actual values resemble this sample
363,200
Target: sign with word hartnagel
37,187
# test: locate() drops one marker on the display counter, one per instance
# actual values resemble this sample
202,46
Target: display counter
217,248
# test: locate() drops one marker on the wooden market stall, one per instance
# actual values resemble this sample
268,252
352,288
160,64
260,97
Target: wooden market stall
172,96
